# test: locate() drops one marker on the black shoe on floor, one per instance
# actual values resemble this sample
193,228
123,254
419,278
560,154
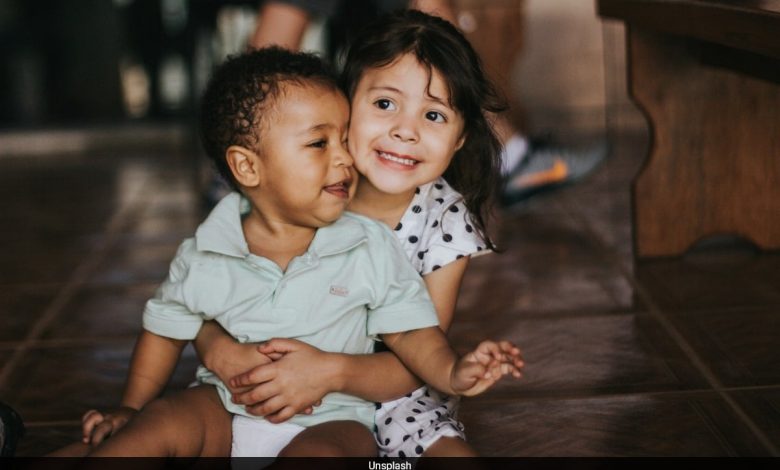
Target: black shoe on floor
547,167
11,430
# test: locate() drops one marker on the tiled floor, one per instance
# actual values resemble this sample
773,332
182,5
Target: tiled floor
672,357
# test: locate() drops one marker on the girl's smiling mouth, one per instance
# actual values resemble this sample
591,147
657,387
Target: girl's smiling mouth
405,160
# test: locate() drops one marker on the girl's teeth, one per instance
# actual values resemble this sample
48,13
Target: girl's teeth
393,158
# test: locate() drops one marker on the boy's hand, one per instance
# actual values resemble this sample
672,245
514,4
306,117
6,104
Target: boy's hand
97,426
481,369
293,383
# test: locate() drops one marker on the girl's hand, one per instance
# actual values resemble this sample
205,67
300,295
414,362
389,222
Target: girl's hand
291,384
97,426
481,369
237,358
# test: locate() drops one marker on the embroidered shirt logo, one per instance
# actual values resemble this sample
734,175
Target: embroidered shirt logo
339,290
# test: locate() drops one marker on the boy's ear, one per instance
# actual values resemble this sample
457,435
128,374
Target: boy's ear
244,164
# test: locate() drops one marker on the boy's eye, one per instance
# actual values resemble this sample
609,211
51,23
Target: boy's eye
318,144
384,104
435,116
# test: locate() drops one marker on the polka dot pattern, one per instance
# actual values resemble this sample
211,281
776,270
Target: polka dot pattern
434,231
437,228
419,421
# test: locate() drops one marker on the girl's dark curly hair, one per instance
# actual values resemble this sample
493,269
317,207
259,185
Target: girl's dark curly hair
438,45
242,88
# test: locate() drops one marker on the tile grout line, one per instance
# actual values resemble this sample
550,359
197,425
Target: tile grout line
509,397
657,313
77,280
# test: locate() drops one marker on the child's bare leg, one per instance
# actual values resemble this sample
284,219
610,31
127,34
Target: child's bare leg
450,447
190,423
332,439
77,449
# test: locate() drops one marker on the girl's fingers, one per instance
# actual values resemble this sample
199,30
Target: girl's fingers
257,395
283,415
256,376
268,408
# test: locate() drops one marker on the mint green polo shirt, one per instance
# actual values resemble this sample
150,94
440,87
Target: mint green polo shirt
353,283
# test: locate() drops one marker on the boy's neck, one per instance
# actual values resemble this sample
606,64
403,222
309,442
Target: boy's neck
371,202
277,240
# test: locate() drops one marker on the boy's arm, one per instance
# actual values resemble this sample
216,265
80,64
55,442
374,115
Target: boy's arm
154,359
224,356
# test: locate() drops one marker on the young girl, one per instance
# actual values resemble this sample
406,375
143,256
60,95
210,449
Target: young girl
419,99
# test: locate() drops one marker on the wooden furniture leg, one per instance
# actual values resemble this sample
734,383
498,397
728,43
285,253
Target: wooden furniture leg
714,162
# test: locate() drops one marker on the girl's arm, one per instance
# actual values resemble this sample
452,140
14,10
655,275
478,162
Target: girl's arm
374,377
427,352
383,377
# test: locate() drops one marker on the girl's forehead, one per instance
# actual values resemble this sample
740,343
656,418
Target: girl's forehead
405,71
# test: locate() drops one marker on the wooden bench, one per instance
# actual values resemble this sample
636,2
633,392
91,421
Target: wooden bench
707,76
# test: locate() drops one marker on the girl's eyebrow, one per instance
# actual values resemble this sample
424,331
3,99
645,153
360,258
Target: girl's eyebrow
431,97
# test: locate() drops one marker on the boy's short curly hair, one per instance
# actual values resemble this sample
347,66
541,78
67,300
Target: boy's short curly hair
242,88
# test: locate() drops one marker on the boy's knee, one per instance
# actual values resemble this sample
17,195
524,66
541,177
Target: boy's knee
315,448
160,410
333,439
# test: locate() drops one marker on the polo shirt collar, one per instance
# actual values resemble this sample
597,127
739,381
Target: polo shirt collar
338,237
222,232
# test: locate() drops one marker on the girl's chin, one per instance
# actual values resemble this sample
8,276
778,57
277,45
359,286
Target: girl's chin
396,189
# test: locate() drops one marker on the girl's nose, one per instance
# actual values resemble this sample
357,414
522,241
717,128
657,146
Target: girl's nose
405,129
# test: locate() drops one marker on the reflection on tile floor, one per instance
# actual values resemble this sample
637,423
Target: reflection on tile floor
674,357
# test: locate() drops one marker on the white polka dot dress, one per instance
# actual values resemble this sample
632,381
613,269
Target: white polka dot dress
435,230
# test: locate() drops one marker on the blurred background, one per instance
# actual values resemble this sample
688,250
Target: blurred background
98,62
101,178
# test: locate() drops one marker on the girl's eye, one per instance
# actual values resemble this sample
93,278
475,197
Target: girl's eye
435,116
384,104
318,144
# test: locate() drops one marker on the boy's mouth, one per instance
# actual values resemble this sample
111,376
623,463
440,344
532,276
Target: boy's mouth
403,160
340,189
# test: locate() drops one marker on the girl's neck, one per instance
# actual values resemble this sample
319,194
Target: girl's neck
371,202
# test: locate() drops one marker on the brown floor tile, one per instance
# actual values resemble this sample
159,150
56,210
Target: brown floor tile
55,384
763,408
42,439
739,346
585,355
44,265
566,282
729,277
102,311
21,307
132,261
667,425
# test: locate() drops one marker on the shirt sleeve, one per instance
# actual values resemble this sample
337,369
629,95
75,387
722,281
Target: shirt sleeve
455,237
167,313
402,303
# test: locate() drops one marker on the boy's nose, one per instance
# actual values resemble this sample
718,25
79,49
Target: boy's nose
342,157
